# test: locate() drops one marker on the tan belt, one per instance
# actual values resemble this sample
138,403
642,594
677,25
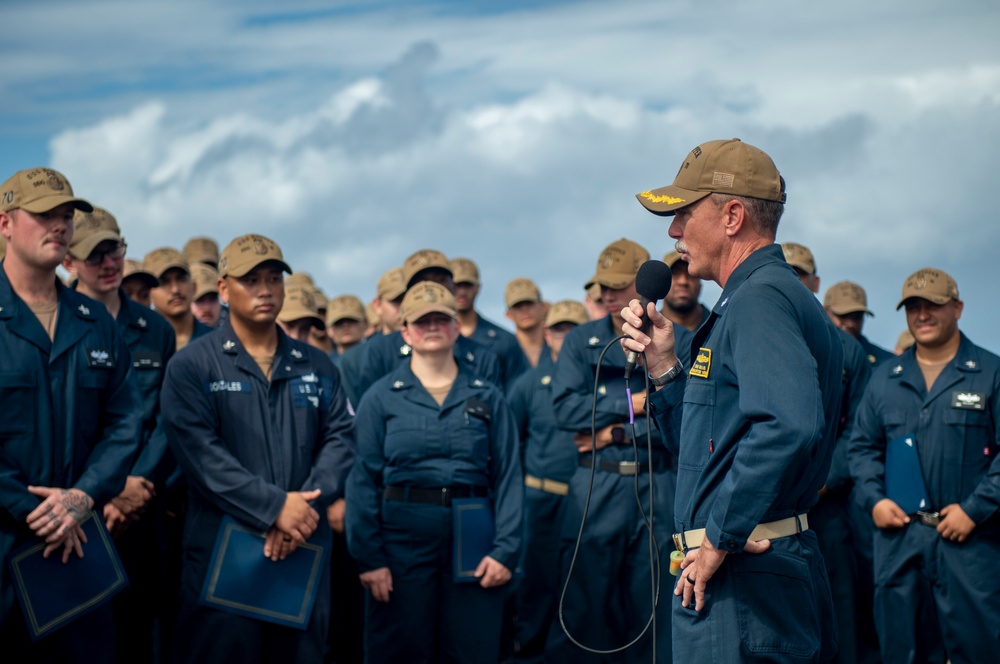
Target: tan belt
546,485
692,539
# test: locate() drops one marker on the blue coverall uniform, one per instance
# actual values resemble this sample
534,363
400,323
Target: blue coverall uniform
549,459
833,516
72,417
384,353
467,444
504,345
143,545
608,599
876,354
243,443
754,427
954,426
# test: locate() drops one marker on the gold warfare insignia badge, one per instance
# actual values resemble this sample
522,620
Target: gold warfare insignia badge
702,363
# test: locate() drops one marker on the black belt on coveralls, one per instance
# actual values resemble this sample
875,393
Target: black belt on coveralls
434,496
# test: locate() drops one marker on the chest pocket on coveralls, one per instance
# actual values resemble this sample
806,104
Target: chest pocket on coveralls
17,394
699,415
967,435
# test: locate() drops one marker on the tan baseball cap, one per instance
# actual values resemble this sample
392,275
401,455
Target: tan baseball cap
426,297
391,285
39,190
246,252
594,292
846,297
798,255
520,290
618,264
464,271
345,306
929,284
300,279
205,278
672,258
160,260
90,229
423,260
299,303
566,311
134,268
724,167
319,298
202,250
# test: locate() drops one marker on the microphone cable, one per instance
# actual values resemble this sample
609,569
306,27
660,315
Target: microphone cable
654,549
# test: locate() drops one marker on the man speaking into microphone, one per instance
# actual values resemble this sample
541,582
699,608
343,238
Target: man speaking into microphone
753,419
608,599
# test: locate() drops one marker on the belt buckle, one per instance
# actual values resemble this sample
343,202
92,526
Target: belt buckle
678,541
628,467
929,518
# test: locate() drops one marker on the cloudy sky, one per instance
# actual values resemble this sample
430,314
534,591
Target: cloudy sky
516,133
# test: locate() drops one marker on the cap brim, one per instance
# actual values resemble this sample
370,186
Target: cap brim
46,203
936,299
293,315
850,309
171,266
614,280
665,201
430,309
147,278
250,268
83,249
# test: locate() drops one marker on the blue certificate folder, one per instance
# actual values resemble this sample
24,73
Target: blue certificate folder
473,532
242,580
53,594
904,481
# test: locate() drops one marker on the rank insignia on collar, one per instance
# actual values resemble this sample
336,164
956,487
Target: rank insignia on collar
602,390
546,380
971,364
723,303
491,333
405,350
898,369
593,341
229,345
398,385
477,383
470,358
296,353
140,321
1,308
84,310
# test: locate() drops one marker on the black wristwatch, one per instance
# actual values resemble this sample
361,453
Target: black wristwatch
618,435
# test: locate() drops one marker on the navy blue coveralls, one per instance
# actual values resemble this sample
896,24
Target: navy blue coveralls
383,353
608,600
954,425
72,415
754,427
143,545
243,443
549,460
406,440
833,515
513,361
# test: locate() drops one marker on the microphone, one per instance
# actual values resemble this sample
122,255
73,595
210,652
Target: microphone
652,283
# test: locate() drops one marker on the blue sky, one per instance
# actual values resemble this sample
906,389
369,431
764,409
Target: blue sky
517,133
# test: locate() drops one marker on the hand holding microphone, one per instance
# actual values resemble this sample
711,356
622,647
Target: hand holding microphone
652,283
